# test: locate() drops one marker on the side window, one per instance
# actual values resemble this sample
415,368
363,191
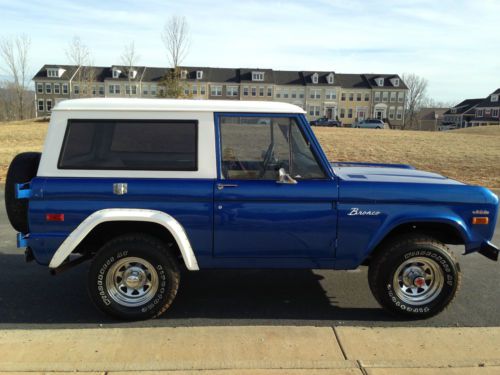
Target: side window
130,145
255,148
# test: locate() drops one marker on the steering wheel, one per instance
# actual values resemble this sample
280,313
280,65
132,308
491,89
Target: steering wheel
267,159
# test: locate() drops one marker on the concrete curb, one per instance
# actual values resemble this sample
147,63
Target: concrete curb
253,350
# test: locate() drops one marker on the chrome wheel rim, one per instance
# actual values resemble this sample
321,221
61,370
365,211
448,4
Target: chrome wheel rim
418,281
132,282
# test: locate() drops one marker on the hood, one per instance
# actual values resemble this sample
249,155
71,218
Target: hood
388,173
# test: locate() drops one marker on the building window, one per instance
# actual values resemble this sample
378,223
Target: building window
154,89
202,90
385,96
57,88
131,90
215,90
232,90
184,74
76,89
39,88
49,105
199,74
269,91
114,89
41,107
494,112
194,89
401,96
186,90
101,90
349,113
479,113
367,97
301,94
342,97
285,93
315,94
494,98
351,97
116,73
94,90
380,82
293,94
314,78
65,88
393,96
342,112
254,91
377,96
391,113
145,90
330,78
314,110
48,88
257,76
245,91
261,91
331,94
396,82
278,93
399,113
358,97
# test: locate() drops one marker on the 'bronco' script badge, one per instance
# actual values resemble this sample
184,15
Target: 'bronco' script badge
358,212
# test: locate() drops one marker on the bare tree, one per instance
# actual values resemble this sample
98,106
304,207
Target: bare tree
129,60
79,54
414,99
14,53
175,37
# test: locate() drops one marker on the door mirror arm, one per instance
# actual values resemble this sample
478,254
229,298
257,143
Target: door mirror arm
285,178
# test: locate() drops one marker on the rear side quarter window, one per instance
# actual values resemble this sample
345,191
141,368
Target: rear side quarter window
164,145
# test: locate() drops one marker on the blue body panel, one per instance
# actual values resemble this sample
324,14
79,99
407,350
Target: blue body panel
262,224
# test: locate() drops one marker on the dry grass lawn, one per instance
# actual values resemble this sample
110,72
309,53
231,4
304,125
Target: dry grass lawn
468,155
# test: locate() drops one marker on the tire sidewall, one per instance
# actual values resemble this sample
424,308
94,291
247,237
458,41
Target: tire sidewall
167,281
450,275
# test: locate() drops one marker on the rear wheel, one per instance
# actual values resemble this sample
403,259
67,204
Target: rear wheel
414,276
134,277
22,169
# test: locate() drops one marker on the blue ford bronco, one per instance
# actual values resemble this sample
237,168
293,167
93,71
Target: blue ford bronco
144,187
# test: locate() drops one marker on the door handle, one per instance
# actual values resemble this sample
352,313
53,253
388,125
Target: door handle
222,186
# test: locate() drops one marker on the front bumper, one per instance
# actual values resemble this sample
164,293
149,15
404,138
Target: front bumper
489,250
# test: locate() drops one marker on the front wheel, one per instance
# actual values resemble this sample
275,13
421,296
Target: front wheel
414,276
134,277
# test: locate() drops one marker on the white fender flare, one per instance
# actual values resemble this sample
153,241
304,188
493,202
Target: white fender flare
126,214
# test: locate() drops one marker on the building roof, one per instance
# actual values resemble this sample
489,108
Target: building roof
486,103
69,71
463,106
370,78
430,113
244,76
175,105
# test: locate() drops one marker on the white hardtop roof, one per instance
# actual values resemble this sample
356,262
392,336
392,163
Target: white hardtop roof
175,105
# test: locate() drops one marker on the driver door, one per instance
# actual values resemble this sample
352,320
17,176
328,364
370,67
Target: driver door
255,214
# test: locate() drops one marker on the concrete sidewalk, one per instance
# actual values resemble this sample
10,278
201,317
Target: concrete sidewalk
254,350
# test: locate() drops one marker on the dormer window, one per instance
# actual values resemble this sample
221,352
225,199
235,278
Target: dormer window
380,82
314,78
453,110
199,74
184,74
132,74
116,73
395,82
257,76
494,98
55,72
330,78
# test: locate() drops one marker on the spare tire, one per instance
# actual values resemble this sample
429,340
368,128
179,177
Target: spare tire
22,169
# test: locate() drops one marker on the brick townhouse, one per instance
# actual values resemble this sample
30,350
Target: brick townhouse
346,97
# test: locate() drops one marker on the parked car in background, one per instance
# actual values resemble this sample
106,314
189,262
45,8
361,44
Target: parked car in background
324,121
371,123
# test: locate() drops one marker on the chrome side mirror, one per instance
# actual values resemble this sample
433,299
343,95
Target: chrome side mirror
285,178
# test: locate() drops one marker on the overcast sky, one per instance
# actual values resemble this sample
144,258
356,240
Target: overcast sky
455,45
